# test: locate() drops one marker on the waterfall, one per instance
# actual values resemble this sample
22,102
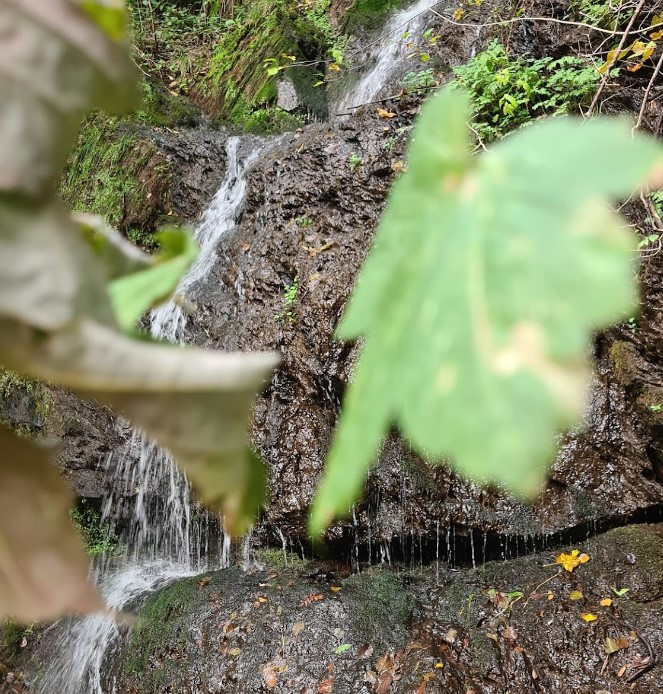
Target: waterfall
387,55
165,535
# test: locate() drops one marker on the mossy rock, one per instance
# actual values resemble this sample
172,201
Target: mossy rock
118,174
381,606
371,14
238,87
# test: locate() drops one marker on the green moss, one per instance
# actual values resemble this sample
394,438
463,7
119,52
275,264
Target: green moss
13,385
381,606
238,87
275,559
371,14
624,358
162,109
115,173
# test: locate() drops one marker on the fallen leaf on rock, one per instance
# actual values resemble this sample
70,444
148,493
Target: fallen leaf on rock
588,617
383,113
269,676
572,560
385,680
313,597
576,595
621,671
365,651
613,645
509,633
325,687
619,592
550,595
606,602
439,664
297,628
204,581
421,689
335,589
235,651
343,648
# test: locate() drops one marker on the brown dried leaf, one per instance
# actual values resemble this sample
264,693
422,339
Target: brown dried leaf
326,686
43,566
365,651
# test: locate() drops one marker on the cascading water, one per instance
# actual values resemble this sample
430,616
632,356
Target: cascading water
387,54
164,534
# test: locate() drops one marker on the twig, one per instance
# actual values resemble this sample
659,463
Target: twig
543,583
622,41
524,18
645,99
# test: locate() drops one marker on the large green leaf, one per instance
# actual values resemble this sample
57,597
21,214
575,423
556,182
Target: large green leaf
43,566
479,298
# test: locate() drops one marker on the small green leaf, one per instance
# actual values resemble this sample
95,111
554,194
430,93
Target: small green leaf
485,283
619,592
133,295
343,648
271,71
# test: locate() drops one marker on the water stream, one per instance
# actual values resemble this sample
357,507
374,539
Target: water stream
386,57
164,532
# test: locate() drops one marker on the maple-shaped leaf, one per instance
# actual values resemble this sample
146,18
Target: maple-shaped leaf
478,300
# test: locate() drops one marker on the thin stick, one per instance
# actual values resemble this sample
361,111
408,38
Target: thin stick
645,99
606,76
524,18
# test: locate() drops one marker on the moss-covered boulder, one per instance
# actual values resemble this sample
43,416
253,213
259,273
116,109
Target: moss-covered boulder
525,625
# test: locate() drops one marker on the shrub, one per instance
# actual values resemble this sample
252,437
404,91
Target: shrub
509,91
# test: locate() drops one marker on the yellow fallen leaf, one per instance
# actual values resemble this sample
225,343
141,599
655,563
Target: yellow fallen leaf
570,561
550,595
383,113
606,602
335,589
235,651
439,665
576,595
588,617
261,599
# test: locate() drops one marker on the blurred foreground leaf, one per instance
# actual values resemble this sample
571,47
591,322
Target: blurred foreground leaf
43,566
479,298
66,286
134,294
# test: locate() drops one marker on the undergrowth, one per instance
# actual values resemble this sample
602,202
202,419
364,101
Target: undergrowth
98,539
507,92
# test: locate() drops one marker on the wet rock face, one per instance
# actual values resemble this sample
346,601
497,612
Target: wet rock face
509,626
310,214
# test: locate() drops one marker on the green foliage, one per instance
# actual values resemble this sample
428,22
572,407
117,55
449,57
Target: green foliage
487,278
98,539
599,13
265,38
657,198
11,382
304,221
506,91
108,173
421,79
289,300
274,558
370,14
354,162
